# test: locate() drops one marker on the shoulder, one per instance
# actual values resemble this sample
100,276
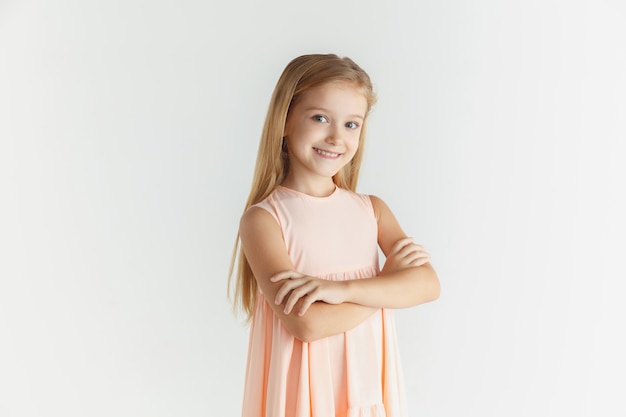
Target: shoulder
261,211
389,230
254,214
262,214
256,220
379,206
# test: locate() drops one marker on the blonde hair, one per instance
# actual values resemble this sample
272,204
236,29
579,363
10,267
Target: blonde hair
300,75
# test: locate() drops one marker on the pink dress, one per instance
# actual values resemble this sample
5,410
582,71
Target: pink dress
352,374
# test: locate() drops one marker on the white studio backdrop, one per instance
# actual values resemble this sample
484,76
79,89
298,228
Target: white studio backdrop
128,134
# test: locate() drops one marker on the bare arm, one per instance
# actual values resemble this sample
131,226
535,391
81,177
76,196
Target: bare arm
264,247
399,287
407,279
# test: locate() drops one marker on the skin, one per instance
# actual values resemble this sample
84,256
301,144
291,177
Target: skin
329,118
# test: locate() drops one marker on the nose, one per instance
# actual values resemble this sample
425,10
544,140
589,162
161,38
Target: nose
334,135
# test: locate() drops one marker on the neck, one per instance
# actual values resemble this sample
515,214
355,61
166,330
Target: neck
322,188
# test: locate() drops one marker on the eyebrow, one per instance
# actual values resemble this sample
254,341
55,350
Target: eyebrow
357,116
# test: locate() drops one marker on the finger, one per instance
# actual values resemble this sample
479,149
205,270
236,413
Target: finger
418,259
400,244
297,292
414,247
421,262
415,252
296,295
409,253
285,275
286,288
282,293
307,302
408,250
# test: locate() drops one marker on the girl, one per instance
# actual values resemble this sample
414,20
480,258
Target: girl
322,336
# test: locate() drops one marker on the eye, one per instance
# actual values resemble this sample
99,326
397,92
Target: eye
352,125
320,118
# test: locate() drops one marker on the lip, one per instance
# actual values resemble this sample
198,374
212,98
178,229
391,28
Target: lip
327,154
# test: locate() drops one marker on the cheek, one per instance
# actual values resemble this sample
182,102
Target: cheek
301,130
355,140
353,148
291,126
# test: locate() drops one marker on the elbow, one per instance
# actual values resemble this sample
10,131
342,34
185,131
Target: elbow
309,328
430,290
307,337
435,292
303,330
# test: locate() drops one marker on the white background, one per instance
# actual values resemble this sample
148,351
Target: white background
128,134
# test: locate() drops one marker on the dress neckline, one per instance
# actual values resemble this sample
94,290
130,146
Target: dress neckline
291,190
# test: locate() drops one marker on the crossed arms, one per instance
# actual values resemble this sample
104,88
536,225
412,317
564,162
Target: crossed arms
312,308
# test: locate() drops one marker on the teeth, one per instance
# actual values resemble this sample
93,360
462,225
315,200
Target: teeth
326,153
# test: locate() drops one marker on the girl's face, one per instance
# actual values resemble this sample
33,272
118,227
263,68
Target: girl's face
322,131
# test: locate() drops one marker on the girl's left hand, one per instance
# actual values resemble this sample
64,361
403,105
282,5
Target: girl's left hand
298,286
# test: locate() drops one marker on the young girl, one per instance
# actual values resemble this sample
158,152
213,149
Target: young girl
322,336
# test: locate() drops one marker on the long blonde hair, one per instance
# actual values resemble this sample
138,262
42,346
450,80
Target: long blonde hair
300,75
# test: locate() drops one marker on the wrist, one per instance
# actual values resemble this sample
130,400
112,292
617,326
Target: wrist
350,289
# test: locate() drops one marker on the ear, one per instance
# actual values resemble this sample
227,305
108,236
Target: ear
286,128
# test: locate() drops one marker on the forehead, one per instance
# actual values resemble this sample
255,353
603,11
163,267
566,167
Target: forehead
336,95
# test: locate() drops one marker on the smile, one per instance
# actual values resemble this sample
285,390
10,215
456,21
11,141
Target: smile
327,154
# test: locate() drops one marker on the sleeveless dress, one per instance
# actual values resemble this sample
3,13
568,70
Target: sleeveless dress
352,374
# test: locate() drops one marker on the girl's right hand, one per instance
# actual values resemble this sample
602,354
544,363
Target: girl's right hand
405,254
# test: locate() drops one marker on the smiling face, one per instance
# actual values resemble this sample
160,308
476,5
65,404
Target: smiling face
322,135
